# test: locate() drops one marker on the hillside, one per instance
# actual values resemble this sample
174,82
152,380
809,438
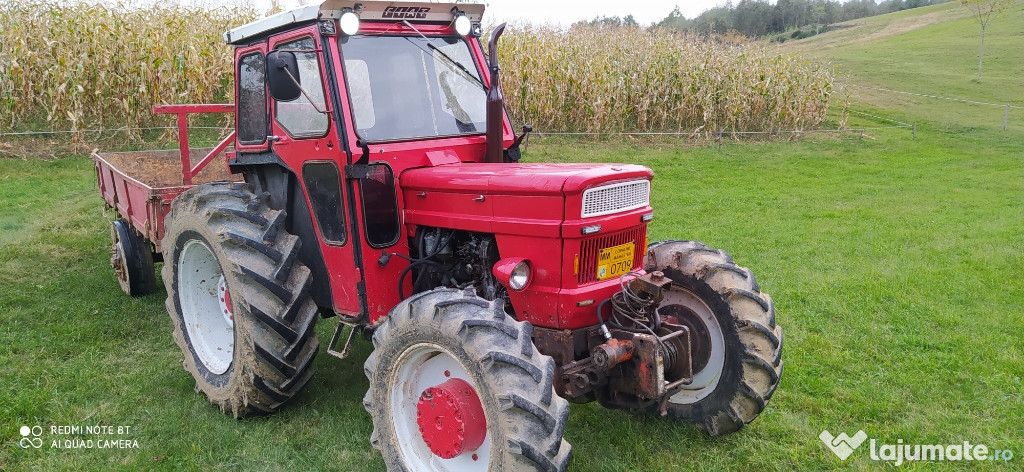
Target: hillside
930,50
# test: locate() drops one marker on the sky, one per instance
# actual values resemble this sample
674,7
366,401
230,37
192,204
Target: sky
567,12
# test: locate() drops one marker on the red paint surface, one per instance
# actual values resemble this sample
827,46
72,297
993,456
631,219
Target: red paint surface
338,258
451,418
534,212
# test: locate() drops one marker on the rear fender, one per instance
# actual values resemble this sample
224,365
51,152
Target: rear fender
266,172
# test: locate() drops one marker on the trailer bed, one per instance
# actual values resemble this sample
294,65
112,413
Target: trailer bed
140,185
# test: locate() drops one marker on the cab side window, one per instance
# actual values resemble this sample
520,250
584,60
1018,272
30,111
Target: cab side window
303,118
323,184
380,206
252,99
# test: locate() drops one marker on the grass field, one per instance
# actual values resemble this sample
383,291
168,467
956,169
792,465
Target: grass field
895,264
934,51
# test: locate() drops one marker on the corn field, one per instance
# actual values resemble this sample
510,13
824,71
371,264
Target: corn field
613,79
65,66
80,65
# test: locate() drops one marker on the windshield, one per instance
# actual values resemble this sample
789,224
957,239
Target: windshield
404,87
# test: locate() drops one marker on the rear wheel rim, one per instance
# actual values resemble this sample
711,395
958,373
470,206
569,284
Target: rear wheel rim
420,367
118,259
202,293
706,380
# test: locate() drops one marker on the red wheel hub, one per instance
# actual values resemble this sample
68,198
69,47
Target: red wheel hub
451,418
225,299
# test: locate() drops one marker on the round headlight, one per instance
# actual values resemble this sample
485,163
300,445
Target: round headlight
520,276
349,23
462,25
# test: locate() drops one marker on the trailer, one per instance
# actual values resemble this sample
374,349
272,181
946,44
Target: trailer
140,186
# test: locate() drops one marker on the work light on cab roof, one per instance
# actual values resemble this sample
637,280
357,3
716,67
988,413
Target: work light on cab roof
464,18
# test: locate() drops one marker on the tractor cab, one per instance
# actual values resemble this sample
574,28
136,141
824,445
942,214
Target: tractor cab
391,118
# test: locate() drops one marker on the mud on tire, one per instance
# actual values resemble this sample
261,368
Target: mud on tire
260,353
132,259
491,351
742,374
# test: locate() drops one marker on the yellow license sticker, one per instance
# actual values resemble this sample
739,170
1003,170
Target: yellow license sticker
614,261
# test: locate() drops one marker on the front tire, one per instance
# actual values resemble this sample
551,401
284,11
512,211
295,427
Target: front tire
737,347
239,298
446,336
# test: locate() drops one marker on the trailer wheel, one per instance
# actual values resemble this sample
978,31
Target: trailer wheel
239,298
737,347
132,260
456,384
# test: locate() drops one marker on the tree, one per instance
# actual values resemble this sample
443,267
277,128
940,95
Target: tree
675,20
982,11
613,21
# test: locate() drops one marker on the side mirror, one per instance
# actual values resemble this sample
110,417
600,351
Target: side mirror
283,76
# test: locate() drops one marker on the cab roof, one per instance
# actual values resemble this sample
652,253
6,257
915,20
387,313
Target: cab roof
415,12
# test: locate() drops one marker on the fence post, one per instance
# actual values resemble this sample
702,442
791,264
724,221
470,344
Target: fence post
720,131
1006,116
915,130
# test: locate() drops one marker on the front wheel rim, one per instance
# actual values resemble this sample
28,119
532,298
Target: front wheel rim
202,292
706,380
421,367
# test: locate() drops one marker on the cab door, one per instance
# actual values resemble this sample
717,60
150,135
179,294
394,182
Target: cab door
306,136
383,243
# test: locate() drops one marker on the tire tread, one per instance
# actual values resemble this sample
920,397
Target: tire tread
532,420
273,294
754,326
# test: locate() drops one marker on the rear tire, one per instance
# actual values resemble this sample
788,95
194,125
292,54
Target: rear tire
441,334
239,298
131,257
734,321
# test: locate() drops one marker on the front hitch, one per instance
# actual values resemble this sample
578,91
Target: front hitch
639,359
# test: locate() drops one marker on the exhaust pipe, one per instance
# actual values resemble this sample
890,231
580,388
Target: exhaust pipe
495,102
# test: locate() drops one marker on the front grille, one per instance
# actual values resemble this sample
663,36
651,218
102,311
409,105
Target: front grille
615,198
590,248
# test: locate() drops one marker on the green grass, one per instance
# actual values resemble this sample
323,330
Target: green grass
894,263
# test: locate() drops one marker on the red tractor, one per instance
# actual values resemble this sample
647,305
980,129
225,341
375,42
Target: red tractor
375,179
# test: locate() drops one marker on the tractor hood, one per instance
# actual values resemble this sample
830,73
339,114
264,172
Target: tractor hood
527,199
519,179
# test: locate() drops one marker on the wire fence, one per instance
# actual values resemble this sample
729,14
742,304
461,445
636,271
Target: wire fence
896,124
1001,105
718,136
721,134
104,130
1005,106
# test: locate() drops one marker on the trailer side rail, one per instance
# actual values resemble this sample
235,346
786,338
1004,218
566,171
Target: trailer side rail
188,171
